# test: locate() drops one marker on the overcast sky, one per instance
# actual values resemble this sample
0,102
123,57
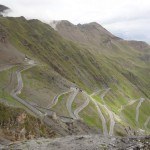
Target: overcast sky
129,19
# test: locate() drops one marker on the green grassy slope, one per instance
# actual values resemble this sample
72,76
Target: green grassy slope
61,63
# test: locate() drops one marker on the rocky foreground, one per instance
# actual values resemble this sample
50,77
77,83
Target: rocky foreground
85,142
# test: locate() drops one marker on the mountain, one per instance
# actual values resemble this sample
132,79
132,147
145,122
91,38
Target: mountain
91,34
77,79
94,37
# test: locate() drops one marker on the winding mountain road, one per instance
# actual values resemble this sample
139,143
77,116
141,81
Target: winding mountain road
75,114
137,109
80,108
70,101
112,121
38,113
104,94
94,93
146,122
17,91
56,98
5,67
104,125
123,106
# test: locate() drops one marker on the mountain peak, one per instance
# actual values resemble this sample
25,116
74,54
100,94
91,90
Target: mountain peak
88,33
55,23
91,24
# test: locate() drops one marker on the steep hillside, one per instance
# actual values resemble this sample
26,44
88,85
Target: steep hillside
91,33
80,72
16,124
129,55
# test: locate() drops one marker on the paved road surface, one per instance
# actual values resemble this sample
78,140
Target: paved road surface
104,125
17,91
94,93
70,101
137,109
56,98
146,122
112,121
80,108
123,106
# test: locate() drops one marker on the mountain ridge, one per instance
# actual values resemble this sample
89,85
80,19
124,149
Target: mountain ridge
95,24
107,73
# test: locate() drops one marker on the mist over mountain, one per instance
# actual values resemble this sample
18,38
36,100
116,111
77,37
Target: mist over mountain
3,9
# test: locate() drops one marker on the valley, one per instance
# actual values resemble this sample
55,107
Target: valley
76,80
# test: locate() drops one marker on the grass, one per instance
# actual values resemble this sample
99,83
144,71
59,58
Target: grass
90,116
129,114
60,108
144,113
9,119
64,63
5,81
78,101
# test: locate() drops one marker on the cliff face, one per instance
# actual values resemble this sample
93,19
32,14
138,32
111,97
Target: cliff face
91,34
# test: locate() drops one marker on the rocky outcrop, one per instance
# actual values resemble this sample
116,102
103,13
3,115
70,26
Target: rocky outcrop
84,142
16,124
92,34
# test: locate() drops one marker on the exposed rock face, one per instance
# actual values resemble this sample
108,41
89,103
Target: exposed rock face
85,142
91,33
21,118
16,124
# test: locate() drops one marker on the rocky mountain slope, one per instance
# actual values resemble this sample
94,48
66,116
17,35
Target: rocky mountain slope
88,142
17,124
125,56
90,34
82,76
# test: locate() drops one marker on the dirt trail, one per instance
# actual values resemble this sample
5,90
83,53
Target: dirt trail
137,109
70,101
